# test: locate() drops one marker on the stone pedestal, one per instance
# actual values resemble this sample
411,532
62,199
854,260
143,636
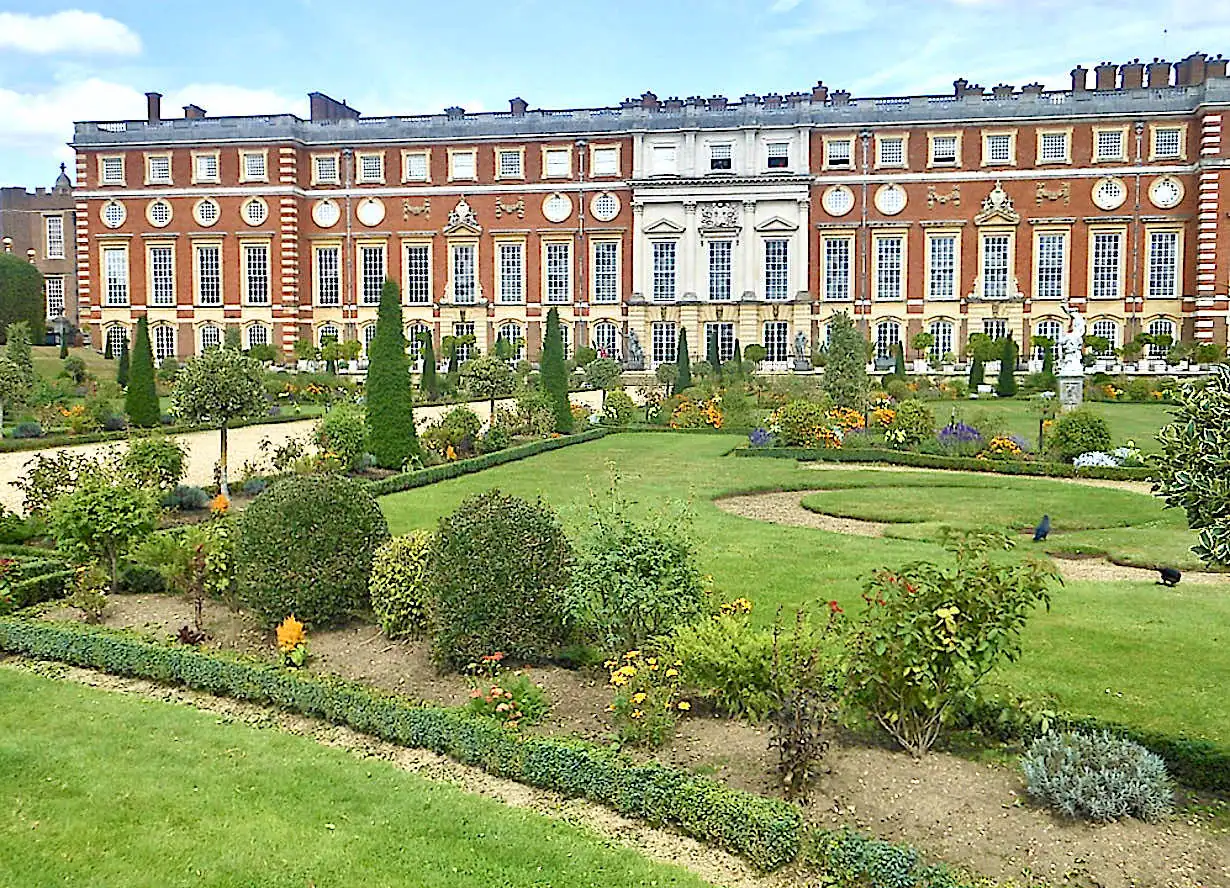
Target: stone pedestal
802,365
1071,390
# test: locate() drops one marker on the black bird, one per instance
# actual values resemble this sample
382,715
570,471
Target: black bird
1170,576
1043,529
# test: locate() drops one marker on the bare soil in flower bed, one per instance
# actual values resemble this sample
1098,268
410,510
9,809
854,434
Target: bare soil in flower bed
964,812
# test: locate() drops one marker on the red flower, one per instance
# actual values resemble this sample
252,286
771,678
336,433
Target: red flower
835,608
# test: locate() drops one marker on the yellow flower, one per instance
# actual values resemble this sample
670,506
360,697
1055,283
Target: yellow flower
636,713
639,697
290,634
619,679
632,655
671,673
685,705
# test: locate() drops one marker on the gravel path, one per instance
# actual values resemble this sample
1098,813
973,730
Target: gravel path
786,508
243,444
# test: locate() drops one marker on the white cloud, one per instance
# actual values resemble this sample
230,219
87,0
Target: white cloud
780,6
71,31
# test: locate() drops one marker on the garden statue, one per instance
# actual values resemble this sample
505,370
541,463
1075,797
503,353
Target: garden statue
802,362
634,355
1071,370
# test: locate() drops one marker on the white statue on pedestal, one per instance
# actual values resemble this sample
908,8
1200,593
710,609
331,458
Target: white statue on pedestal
1071,344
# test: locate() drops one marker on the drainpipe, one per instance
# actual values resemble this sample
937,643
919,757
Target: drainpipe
1132,316
348,251
582,285
863,247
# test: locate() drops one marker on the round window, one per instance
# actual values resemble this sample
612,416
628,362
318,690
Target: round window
207,212
159,213
557,207
605,206
1109,193
113,214
326,213
371,212
838,200
890,199
1166,192
255,211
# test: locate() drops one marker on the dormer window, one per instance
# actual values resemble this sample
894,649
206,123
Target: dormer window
778,155
720,157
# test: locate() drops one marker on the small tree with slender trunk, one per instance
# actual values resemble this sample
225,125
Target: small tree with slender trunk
683,380
391,436
221,386
141,399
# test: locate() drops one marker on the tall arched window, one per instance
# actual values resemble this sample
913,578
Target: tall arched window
606,340
1051,329
1108,330
328,331
258,334
211,337
367,334
1160,327
510,332
414,339
114,340
163,341
941,333
888,334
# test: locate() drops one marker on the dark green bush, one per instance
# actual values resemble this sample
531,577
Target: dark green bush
27,430
343,432
155,462
498,580
305,547
1079,431
186,498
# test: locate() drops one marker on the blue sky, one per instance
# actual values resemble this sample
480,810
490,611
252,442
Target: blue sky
62,63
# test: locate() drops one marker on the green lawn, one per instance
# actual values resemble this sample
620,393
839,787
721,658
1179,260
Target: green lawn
48,365
1163,649
105,790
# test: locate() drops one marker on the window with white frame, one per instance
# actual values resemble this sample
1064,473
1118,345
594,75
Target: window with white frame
888,281
510,332
996,328
325,170
207,211
55,236
111,170
663,160
1050,258
465,281
1167,142
115,275
205,167
888,334
890,151
258,334
1163,264
838,153
559,272
721,157
366,335
208,274
211,337
941,340
777,155
606,271
606,340
663,342
162,274
115,340
511,258
837,269
158,169
464,330
461,165
256,273
557,162
777,269
415,335
53,288
724,333
328,333
1108,330
1048,328
721,254
565,338
1108,144
1106,265
944,150
510,163
418,274
163,342
1053,147
371,167
328,277
1157,328
996,265
776,337
606,161
942,266
663,271
371,273
997,148
414,166
253,166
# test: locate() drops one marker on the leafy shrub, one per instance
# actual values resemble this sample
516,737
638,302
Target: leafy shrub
498,578
50,476
800,423
27,430
305,547
101,519
254,486
635,578
457,430
1095,458
912,424
398,584
1079,431
646,698
850,858
186,498
1097,777
342,432
535,413
931,633
497,437
158,463
138,579
619,409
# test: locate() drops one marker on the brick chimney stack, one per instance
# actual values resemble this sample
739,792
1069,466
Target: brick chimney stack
1080,79
1132,75
819,93
323,107
518,106
153,107
194,112
1190,71
1215,68
649,100
1104,75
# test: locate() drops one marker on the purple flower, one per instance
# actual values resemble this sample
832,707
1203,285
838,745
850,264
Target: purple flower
959,433
1019,442
760,438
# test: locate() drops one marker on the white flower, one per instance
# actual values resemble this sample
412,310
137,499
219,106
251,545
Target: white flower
1095,459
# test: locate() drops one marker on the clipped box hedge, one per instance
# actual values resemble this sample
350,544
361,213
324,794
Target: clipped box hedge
935,461
767,832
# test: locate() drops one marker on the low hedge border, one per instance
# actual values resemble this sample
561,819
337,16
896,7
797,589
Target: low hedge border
43,587
767,832
444,471
935,461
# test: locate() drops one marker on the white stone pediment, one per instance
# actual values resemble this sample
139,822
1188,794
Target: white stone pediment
663,226
777,223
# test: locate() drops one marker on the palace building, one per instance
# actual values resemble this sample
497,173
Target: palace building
753,220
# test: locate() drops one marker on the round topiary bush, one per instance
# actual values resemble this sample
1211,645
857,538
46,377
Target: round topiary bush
305,547
1077,432
1097,777
801,422
498,579
398,583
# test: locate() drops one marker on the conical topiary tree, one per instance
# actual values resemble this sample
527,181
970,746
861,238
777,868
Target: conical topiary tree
712,355
553,374
429,384
121,372
898,360
683,380
391,438
845,371
141,399
738,358
1006,386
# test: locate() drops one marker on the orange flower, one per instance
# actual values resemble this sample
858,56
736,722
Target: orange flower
220,505
290,634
